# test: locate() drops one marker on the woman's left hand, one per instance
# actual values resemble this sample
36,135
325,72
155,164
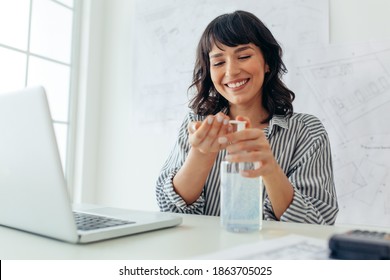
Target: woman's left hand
250,145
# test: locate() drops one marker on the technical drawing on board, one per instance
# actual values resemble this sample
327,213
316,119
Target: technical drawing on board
353,94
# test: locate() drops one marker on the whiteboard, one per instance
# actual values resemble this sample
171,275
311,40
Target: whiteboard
346,86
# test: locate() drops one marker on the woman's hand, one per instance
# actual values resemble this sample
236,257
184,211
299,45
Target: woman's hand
203,136
250,145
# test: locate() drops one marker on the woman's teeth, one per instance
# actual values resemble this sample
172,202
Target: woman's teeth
236,85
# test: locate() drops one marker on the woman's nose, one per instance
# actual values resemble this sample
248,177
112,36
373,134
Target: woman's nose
232,68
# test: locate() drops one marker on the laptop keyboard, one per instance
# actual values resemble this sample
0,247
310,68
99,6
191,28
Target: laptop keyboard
90,222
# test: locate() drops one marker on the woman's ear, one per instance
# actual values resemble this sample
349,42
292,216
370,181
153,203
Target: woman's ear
267,68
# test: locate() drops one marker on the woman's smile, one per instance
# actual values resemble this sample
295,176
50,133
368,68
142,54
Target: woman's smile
237,84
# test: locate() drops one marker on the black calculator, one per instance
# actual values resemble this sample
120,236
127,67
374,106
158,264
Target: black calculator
360,245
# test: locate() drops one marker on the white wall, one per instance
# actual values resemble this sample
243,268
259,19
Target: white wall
111,175
125,180
85,125
359,20
122,178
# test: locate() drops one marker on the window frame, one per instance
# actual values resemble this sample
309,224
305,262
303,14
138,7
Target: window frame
73,65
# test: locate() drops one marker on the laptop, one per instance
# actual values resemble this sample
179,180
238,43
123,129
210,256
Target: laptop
33,189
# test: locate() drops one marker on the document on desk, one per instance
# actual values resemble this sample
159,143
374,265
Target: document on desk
290,247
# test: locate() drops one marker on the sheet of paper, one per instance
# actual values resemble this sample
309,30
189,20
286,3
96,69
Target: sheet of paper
289,247
348,87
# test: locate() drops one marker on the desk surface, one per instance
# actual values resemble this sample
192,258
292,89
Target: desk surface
197,235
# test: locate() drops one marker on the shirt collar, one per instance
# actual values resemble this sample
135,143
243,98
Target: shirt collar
276,121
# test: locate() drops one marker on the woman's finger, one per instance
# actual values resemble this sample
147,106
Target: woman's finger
193,126
212,135
201,132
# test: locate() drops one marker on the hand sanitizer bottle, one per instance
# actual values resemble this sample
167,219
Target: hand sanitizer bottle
241,197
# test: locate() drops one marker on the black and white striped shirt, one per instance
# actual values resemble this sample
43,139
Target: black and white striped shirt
301,147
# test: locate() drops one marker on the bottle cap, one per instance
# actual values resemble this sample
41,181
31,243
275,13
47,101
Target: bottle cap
238,125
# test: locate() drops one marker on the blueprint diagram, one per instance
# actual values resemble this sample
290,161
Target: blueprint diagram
350,92
288,247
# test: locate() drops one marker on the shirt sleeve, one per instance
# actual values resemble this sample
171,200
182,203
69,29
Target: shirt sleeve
167,198
314,198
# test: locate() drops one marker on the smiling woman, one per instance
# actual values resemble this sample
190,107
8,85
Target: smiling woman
237,76
248,37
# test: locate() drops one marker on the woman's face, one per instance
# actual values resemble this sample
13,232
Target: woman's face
238,73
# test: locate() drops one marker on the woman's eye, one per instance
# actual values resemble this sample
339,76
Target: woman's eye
219,63
244,57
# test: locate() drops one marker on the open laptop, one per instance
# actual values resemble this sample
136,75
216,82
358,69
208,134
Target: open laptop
33,191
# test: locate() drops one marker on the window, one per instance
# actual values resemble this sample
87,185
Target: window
36,43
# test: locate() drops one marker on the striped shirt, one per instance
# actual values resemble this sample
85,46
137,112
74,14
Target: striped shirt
300,145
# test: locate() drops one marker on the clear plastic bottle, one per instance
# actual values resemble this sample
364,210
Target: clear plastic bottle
241,197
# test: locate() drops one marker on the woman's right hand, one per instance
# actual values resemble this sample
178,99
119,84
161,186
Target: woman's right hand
203,136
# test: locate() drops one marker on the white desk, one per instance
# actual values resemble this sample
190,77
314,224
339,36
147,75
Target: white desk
197,235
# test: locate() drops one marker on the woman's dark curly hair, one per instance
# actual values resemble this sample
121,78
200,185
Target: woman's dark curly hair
235,29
